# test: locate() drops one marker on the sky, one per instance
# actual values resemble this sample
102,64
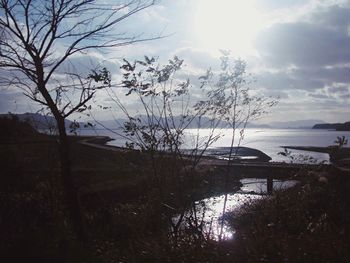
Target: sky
298,50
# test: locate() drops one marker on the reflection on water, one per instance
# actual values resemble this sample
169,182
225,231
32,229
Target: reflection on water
209,210
270,141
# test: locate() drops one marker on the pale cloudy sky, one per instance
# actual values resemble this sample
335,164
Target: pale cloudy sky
297,49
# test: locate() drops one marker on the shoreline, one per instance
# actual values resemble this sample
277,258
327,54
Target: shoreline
339,156
248,169
100,142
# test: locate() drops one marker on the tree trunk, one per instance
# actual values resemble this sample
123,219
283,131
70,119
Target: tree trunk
71,193
72,202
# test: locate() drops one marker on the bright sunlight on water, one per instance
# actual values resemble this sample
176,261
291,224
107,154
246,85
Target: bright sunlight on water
209,210
268,141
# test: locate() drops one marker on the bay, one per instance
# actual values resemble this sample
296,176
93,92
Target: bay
269,141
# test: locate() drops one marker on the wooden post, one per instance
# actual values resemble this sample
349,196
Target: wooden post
269,185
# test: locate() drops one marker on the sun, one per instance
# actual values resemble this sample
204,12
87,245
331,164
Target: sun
227,24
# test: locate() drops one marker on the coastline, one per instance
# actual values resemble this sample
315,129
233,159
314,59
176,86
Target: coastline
339,156
241,169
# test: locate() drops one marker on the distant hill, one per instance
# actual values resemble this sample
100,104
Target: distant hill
38,121
344,127
299,124
258,126
327,126
333,126
204,123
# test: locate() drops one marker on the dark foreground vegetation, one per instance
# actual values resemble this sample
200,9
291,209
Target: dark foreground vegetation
126,222
307,223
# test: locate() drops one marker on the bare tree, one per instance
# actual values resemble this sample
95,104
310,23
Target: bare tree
38,37
231,97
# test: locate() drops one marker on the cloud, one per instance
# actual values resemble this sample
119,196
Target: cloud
308,60
318,38
330,74
318,95
335,17
83,64
16,102
278,4
337,93
302,45
285,81
302,55
197,59
153,15
340,89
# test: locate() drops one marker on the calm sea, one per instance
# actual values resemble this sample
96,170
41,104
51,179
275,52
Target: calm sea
267,140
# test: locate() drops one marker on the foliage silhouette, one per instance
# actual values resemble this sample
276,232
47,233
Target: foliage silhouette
32,32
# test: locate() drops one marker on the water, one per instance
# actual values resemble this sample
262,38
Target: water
209,210
268,141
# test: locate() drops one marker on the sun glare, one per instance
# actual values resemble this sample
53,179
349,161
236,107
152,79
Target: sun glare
227,24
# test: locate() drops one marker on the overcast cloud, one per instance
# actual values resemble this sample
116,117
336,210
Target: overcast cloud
301,53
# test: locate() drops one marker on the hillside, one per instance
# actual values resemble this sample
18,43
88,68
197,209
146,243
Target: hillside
298,124
333,126
15,128
344,127
38,121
